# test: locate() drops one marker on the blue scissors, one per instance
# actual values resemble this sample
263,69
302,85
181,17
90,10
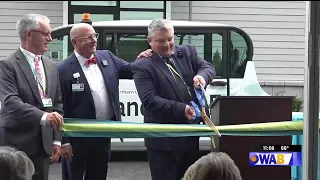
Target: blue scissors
200,94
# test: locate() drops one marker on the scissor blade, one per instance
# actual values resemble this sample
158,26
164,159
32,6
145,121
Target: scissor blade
209,122
212,142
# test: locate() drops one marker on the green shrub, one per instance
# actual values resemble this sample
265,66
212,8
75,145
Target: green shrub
297,104
216,62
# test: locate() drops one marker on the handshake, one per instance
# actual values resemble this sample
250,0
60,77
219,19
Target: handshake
55,119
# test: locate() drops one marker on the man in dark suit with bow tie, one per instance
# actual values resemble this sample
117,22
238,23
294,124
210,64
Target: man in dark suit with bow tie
165,84
89,83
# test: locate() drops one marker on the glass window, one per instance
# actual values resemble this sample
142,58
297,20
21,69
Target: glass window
142,4
94,17
238,55
130,45
140,15
57,49
210,52
94,3
196,40
217,53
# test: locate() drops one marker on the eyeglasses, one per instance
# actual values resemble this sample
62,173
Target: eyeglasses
89,36
46,35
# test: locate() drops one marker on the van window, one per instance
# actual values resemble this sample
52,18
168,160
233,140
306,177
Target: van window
210,46
238,55
129,46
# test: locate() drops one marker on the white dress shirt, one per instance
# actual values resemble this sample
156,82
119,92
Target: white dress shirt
102,103
30,58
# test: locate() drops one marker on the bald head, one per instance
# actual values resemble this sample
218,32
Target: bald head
84,39
79,30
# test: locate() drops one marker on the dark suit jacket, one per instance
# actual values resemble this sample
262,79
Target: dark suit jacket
80,104
159,93
21,106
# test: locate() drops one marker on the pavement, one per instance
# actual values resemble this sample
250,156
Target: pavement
123,166
121,170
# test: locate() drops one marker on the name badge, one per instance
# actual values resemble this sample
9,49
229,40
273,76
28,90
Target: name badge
77,87
47,102
105,62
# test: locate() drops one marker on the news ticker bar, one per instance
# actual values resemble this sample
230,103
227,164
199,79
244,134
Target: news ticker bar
277,148
275,158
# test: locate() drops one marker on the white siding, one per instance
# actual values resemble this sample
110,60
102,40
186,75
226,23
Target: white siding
11,11
277,29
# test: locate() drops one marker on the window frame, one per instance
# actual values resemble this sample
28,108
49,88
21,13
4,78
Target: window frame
114,10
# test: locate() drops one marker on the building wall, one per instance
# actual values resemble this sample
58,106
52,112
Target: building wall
277,29
11,11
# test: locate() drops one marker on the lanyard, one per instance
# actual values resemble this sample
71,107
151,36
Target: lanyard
36,75
178,74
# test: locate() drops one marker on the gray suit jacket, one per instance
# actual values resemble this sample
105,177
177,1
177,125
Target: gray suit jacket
21,106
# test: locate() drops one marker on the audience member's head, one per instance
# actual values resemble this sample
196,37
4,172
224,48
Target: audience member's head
15,165
213,166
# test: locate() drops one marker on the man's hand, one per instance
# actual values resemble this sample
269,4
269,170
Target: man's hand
54,119
56,151
197,80
189,112
66,152
146,53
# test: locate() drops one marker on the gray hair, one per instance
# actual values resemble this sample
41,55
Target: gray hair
29,22
15,165
218,166
159,24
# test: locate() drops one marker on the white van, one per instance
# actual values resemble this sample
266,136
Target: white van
229,49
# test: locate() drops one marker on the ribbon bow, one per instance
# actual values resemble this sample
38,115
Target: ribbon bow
200,94
93,60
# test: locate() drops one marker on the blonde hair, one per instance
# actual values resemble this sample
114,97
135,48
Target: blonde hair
213,166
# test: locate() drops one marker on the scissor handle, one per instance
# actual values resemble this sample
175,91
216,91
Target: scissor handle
196,109
200,94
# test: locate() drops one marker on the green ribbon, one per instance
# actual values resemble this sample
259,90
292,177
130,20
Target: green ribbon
116,129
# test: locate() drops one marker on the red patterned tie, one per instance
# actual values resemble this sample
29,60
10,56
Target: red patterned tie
93,60
39,74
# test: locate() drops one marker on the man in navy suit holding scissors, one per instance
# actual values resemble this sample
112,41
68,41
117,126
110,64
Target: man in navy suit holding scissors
165,83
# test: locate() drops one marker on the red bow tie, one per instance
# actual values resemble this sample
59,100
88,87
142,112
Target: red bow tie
92,60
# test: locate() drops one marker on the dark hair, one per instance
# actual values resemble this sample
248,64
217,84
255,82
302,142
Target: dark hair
15,165
213,166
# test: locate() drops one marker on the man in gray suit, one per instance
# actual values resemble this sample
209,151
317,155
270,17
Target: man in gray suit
30,97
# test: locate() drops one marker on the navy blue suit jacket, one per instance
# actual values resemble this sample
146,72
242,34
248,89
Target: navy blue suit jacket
80,104
159,93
